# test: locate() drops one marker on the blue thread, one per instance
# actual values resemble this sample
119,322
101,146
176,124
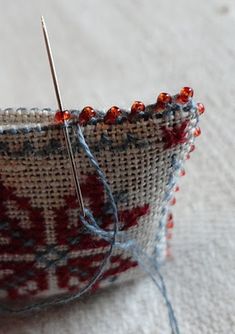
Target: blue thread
143,259
54,147
4,147
4,225
102,177
62,299
28,147
41,256
148,264
105,140
29,243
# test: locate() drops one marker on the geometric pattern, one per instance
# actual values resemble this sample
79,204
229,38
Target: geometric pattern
45,249
27,258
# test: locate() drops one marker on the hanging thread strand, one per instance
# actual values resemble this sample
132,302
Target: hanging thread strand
147,263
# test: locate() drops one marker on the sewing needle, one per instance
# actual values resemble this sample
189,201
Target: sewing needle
65,128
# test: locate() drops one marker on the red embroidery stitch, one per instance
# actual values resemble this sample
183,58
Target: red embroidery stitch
93,195
20,277
27,275
175,135
82,269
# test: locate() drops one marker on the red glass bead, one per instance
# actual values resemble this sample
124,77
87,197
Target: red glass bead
200,108
61,116
173,201
164,98
185,94
137,106
197,132
170,222
86,115
182,172
192,148
112,115
177,188
187,156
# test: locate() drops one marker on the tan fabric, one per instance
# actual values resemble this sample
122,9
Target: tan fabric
140,163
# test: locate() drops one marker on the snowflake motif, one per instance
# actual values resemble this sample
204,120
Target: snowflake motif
20,277
27,255
83,268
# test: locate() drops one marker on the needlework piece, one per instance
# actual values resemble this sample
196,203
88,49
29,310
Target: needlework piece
45,250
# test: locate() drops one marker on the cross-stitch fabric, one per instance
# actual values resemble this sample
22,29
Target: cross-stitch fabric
44,248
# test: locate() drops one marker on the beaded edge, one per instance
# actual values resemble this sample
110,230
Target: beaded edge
150,112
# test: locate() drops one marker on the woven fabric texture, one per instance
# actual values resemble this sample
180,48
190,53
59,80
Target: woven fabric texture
45,250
